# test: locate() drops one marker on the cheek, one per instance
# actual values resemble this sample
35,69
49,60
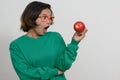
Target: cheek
38,28
39,23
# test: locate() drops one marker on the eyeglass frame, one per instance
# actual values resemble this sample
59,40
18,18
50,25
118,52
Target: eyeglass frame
46,18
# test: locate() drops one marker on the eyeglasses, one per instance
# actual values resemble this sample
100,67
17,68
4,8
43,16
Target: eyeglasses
46,18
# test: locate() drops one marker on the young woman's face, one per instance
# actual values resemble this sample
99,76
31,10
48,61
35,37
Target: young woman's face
43,22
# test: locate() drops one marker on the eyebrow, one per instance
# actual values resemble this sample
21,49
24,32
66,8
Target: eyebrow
46,15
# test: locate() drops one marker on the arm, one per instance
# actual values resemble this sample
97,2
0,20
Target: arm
22,67
68,53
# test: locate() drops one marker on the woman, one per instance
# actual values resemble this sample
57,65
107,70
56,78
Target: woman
42,55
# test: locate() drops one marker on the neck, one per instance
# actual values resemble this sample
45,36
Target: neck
32,34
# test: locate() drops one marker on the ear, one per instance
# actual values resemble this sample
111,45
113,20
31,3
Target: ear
38,21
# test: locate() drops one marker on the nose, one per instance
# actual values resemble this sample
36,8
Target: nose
49,21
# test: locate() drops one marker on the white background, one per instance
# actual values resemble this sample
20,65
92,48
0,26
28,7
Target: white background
99,53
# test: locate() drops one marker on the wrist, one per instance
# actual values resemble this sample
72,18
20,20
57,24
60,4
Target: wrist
60,72
75,42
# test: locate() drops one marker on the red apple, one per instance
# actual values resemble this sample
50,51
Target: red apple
79,26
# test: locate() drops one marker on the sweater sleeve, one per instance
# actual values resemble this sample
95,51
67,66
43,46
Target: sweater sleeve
23,68
67,54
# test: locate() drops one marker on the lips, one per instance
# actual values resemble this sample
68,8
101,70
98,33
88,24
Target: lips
46,27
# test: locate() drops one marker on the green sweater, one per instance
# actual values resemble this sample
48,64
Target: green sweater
40,58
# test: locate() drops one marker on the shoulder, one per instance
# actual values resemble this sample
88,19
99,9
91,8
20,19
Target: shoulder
55,34
16,41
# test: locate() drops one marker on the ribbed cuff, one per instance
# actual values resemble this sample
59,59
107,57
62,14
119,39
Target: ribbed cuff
73,41
55,72
50,74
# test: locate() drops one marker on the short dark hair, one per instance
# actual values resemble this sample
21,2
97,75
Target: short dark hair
31,13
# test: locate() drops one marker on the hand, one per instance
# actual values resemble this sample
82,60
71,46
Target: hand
60,72
78,36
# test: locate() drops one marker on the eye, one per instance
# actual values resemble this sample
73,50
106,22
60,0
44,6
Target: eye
44,17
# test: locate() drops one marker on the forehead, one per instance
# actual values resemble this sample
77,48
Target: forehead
46,12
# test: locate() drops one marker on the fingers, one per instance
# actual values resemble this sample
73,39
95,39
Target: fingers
83,32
